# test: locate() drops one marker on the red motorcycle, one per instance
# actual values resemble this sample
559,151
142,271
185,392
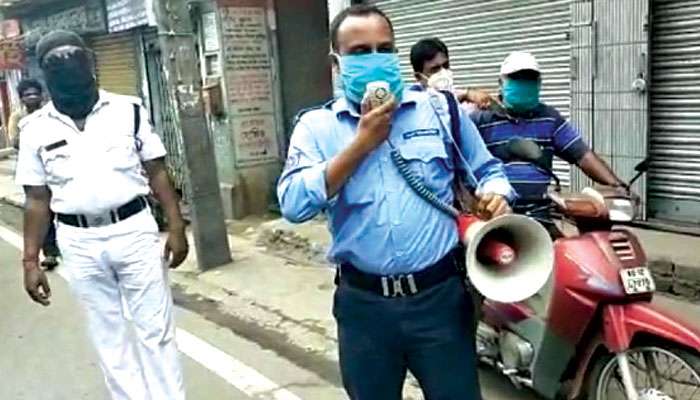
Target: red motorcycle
595,330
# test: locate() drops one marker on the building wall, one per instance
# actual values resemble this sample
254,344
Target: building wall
298,48
304,80
610,47
305,70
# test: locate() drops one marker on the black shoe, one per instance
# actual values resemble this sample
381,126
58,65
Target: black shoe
50,262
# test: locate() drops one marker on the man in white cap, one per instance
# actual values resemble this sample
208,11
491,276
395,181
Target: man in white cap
523,115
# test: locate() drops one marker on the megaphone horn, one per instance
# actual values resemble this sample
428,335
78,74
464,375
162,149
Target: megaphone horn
509,258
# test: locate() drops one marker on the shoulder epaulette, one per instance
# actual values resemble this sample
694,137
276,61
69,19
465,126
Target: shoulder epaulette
27,119
328,104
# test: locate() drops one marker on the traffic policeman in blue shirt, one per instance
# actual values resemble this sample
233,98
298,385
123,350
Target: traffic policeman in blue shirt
400,303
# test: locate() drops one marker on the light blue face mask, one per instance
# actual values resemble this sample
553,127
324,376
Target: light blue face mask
521,95
357,70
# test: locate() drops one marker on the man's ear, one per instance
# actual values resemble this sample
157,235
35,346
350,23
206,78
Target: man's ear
334,59
335,62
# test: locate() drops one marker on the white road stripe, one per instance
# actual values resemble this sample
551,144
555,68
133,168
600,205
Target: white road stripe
236,373
12,238
243,377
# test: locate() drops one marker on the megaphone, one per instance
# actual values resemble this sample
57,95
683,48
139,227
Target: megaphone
509,258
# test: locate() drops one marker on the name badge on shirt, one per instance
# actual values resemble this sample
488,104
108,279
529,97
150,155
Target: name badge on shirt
420,133
54,146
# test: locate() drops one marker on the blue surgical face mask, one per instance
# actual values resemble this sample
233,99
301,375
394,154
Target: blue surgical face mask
357,70
521,95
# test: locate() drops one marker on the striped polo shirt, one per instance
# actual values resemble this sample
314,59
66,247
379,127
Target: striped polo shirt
544,124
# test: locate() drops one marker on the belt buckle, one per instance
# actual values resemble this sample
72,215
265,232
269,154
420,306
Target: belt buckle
393,285
98,220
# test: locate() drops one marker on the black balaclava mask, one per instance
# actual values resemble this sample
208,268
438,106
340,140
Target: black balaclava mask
69,74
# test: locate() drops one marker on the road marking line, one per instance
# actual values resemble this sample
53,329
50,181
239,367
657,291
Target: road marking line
243,377
11,237
236,373
17,241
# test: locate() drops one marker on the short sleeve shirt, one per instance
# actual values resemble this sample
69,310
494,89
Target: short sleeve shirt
545,125
94,170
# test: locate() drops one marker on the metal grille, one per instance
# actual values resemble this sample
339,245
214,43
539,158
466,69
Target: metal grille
622,247
168,126
610,44
481,33
674,178
116,63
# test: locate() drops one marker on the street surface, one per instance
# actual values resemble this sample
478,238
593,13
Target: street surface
46,355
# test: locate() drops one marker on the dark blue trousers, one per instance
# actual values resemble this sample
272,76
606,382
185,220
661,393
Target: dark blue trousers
430,334
50,247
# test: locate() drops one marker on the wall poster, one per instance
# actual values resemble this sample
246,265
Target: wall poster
247,65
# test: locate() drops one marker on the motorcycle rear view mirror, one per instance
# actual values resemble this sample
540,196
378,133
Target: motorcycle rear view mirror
525,150
528,150
641,168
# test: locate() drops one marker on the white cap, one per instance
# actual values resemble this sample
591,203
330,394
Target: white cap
519,61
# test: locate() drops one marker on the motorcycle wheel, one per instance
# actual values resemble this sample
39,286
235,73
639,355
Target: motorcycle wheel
659,373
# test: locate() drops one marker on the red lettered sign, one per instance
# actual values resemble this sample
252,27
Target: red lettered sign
11,54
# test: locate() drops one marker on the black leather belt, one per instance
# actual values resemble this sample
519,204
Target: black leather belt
111,217
399,285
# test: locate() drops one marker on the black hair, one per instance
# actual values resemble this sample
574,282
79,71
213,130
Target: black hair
425,50
26,84
356,10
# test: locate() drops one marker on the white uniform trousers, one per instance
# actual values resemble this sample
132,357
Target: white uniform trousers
121,264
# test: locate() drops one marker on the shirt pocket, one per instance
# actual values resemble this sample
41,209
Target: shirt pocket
58,164
122,154
359,189
356,193
427,158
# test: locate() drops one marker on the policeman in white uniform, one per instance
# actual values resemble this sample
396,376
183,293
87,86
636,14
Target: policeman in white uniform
83,156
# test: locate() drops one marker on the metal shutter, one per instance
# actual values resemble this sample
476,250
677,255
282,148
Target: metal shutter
481,33
117,69
674,178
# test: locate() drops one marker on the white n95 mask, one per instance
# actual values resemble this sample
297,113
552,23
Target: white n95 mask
442,80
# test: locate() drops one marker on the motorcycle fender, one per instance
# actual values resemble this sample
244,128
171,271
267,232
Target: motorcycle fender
622,322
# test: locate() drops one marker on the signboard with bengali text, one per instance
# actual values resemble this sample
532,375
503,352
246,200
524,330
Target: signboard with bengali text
12,54
248,71
123,15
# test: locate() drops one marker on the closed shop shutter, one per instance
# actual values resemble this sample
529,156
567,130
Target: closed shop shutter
481,33
674,178
117,68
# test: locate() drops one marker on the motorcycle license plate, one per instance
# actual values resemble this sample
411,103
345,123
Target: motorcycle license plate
637,280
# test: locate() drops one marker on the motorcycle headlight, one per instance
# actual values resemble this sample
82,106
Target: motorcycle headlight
621,210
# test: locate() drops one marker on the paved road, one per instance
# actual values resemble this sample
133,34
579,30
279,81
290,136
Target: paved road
45,355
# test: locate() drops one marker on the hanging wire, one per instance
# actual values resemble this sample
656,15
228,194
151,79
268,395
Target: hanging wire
416,183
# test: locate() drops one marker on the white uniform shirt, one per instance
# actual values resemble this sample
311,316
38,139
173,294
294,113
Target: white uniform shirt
92,171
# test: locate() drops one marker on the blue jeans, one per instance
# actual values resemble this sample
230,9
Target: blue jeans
430,334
